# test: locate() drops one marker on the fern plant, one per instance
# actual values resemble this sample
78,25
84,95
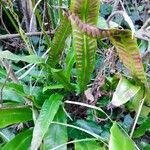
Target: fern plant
125,44
81,23
85,32
84,45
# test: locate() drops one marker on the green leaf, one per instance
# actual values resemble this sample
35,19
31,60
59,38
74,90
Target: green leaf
147,147
147,95
58,43
70,60
18,88
11,95
47,114
64,29
60,76
53,87
135,102
21,142
9,116
85,46
118,139
124,92
29,59
140,131
89,126
88,145
56,134
145,111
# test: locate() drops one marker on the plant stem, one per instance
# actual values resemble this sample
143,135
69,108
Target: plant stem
137,117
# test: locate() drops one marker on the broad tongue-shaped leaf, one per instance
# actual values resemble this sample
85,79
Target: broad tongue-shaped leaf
29,58
47,114
12,115
119,140
56,134
124,92
129,54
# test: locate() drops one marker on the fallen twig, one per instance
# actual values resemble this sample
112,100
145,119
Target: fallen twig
9,36
10,71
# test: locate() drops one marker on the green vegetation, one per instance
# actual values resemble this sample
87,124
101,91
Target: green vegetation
74,75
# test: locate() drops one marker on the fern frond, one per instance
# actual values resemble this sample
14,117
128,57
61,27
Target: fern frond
88,29
129,54
84,45
61,34
58,43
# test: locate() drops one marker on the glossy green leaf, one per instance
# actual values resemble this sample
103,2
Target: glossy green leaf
9,116
140,131
20,142
60,76
134,104
29,59
145,111
88,145
147,96
47,114
119,140
124,92
56,134
13,92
